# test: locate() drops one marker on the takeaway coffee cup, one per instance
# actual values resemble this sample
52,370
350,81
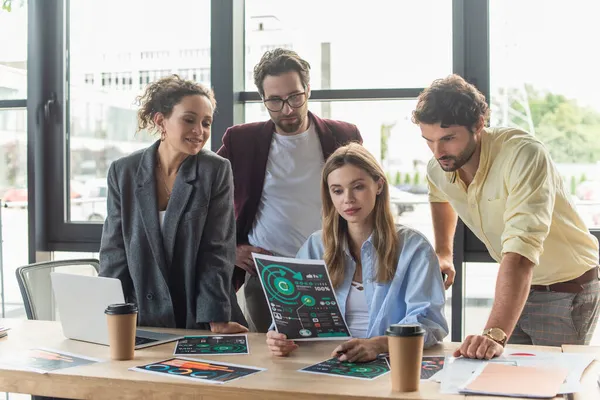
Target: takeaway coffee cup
122,321
405,344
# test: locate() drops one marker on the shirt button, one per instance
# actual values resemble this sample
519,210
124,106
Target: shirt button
472,205
149,296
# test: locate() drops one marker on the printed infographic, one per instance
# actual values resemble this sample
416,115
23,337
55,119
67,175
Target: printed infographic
301,298
430,365
367,371
212,345
45,360
198,370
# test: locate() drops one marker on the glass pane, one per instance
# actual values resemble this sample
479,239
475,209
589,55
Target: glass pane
111,64
480,284
371,46
448,314
13,213
545,80
13,51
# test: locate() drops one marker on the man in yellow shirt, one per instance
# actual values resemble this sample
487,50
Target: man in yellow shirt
506,189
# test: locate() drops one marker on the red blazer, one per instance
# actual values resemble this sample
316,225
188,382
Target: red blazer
247,147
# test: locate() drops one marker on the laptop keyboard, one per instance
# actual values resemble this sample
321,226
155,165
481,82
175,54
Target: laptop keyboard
143,340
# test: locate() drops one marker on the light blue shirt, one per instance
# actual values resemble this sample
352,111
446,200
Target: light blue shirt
414,296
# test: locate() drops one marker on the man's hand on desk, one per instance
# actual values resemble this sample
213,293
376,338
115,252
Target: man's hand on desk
279,345
243,257
227,327
479,346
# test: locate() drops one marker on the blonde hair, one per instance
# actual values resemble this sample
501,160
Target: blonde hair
335,227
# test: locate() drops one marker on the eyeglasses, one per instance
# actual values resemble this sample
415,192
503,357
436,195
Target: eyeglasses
295,101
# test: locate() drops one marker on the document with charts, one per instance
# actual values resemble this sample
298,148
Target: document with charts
214,345
198,370
43,360
366,370
301,298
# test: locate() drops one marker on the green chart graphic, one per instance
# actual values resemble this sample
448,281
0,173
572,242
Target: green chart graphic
234,344
308,300
360,370
221,348
278,284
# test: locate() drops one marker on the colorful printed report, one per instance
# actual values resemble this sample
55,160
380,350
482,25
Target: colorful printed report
301,298
366,371
45,360
198,370
212,345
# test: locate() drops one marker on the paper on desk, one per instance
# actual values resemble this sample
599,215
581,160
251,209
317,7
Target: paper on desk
42,360
575,363
498,379
198,370
457,371
431,366
437,377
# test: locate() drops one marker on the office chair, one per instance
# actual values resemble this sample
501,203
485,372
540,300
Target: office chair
36,288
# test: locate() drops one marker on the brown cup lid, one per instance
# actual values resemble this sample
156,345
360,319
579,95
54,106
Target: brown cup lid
405,330
121,309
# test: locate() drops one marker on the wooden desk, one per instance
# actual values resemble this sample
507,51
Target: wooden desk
591,390
111,379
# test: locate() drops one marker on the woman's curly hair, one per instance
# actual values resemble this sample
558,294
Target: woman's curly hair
164,94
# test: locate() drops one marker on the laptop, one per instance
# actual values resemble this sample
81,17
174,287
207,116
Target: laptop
81,301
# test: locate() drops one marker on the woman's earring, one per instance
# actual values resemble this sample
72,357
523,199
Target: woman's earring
163,134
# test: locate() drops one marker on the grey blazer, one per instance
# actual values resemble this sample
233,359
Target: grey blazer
198,238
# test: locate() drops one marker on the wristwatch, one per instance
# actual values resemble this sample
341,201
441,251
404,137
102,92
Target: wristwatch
497,335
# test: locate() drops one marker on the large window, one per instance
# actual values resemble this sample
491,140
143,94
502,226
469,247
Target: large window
544,79
13,51
368,65
382,44
367,68
116,49
13,153
369,48
14,206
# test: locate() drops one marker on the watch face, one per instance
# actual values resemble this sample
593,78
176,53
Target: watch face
497,334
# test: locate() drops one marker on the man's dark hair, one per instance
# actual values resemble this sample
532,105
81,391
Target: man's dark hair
277,62
451,101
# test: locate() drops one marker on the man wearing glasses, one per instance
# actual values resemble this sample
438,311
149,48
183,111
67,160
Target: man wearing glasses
277,171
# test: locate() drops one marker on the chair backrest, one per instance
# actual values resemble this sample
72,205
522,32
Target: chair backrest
36,287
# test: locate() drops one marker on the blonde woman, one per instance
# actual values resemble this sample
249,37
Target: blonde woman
382,274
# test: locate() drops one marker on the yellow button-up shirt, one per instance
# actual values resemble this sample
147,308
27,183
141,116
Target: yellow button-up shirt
517,203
